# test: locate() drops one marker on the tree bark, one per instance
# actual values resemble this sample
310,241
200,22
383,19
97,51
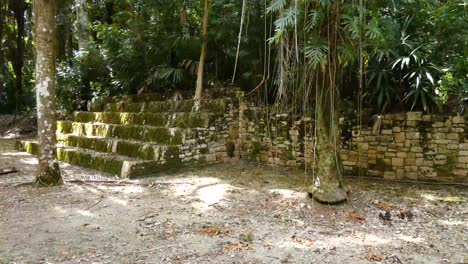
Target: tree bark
201,64
48,171
82,21
19,6
328,186
2,23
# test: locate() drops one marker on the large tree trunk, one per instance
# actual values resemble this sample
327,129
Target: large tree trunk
201,64
48,171
82,21
328,186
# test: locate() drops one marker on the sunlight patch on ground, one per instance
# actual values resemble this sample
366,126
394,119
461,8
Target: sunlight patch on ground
118,201
122,189
84,213
14,154
288,194
448,199
453,222
212,194
411,239
60,209
30,161
192,185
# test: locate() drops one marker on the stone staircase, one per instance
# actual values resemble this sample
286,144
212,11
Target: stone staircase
138,137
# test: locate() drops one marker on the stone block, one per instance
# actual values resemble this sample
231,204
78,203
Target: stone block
400,174
410,162
452,136
414,116
397,162
386,131
401,154
463,146
412,175
411,168
400,137
416,149
438,124
460,173
389,175
452,146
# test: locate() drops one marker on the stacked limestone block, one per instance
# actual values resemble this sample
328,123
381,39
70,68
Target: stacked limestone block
410,146
275,138
136,137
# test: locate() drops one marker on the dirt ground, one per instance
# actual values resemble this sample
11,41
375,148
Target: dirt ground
230,213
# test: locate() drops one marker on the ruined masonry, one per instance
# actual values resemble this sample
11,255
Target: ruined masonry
144,135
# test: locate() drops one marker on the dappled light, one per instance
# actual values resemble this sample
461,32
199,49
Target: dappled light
233,131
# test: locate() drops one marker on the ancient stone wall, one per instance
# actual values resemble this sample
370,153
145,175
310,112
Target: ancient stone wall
409,146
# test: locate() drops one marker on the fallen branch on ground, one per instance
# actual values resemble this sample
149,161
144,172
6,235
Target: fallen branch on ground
8,170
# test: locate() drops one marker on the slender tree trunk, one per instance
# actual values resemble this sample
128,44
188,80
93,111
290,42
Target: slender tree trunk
328,186
48,171
201,64
82,21
19,6
2,23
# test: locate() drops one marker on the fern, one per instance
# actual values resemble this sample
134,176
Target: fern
313,20
276,6
317,54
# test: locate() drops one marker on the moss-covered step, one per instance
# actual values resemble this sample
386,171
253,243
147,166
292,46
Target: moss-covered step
130,148
182,120
120,166
162,135
216,93
213,106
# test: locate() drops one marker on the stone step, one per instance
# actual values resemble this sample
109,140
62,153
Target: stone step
212,94
151,134
218,106
118,165
130,148
181,120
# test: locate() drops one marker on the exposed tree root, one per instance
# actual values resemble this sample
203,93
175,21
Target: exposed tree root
328,194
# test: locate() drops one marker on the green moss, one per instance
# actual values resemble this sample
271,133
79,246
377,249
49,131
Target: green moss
448,167
114,166
230,149
290,154
27,146
49,176
64,127
256,148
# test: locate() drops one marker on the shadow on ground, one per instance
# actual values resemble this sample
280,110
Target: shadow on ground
229,213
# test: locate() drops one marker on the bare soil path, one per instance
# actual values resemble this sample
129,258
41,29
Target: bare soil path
230,213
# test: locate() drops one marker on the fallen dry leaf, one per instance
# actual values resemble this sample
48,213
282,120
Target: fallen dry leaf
385,206
238,246
355,217
375,256
303,241
267,245
213,231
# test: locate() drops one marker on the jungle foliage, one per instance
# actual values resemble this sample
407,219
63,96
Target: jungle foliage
412,53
